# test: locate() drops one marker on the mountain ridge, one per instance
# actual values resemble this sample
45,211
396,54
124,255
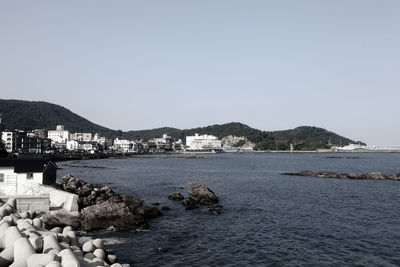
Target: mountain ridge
28,115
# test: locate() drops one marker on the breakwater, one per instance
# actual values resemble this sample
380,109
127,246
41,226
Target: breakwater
357,176
26,242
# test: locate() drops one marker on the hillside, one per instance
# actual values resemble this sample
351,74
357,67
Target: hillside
27,115
302,138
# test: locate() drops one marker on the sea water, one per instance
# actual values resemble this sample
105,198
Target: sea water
267,218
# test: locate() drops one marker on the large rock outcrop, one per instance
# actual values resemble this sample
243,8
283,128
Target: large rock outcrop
102,208
201,194
110,214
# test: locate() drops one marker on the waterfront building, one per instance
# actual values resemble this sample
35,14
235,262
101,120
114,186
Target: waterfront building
88,146
102,141
203,143
177,145
10,141
123,145
58,136
72,145
81,136
162,144
16,174
39,133
22,142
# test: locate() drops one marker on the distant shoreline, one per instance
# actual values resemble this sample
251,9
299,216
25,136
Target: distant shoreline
187,155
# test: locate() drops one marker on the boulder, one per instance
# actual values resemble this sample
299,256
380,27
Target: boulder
61,219
176,196
149,212
106,214
201,194
133,203
163,208
190,204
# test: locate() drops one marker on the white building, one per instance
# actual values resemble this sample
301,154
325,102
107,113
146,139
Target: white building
81,136
10,141
16,175
72,145
123,145
203,142
59,136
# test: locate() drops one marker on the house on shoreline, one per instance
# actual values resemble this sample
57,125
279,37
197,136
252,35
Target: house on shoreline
16,173
30,182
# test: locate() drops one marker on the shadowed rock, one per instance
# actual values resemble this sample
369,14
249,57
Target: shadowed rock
106,214
176,196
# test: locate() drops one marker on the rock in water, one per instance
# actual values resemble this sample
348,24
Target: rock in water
190,204
176,196
133,203
200,193
149,212
106,214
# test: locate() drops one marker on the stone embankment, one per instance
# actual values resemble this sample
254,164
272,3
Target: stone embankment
359,176
199,195
102,208
26,242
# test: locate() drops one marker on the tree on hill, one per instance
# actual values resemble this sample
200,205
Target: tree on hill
3,152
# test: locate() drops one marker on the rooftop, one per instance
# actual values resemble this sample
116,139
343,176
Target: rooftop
24,165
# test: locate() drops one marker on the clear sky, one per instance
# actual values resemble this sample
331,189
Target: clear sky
269,64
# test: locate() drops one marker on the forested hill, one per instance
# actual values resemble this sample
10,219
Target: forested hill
27,115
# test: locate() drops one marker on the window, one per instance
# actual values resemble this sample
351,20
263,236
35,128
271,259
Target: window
1,177
29,176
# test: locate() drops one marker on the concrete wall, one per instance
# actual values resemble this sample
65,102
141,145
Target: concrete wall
65,200
9,186
31,203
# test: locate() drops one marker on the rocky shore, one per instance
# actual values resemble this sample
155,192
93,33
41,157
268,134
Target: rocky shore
359,176
101,208
25,241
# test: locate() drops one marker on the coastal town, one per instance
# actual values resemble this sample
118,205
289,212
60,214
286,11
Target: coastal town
61,140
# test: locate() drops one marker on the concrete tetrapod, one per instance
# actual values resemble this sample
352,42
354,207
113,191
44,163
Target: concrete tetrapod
12,234
22,250
68,258
41,259
98,243
23,239
50,243
88,246
53,264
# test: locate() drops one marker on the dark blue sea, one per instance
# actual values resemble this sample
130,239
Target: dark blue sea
267,219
